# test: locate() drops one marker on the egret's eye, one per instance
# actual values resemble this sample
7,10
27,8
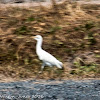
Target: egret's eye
37,37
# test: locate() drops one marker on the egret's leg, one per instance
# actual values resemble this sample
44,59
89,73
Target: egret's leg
42,67
52,72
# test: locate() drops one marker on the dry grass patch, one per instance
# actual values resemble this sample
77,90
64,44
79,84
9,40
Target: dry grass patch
68,32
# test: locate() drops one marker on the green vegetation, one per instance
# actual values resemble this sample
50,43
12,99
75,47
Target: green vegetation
54,29
89,25
85,68
23,30
30,19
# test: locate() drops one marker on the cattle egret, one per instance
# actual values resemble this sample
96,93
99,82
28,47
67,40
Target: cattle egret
44,56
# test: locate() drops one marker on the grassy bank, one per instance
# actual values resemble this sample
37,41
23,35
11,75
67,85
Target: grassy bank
71,33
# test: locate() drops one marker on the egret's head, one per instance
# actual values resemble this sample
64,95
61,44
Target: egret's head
38,37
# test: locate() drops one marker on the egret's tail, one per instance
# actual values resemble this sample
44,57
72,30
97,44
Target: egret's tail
59,65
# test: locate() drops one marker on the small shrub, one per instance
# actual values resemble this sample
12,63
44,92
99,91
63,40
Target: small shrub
30,19
89,25
21,30
91,38
86,68
54,29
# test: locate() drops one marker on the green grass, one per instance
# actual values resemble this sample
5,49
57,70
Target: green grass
84,68
89,25
54,29
23,30
30,19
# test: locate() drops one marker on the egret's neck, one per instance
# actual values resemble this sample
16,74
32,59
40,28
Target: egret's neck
39,45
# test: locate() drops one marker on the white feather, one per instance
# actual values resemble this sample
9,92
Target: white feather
46,57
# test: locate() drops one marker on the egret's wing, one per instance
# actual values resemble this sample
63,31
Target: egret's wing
47,57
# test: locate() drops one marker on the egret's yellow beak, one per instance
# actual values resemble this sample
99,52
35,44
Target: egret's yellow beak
33,37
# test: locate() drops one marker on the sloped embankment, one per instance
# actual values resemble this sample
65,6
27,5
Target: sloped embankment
71,33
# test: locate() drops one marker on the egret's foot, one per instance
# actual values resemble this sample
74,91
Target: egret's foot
40,72
36,76
60,79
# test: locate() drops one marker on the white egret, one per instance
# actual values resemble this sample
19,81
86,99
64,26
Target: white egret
46,57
